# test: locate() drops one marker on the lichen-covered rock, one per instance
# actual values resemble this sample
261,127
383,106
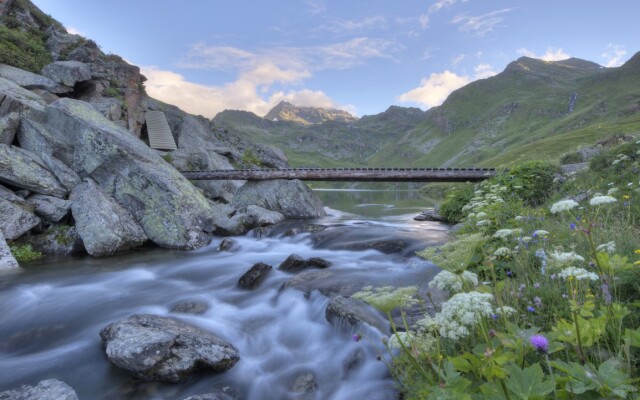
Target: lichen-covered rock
18,170
9,127
49,389
15,220
67,72
354,312
190,307
254,276
29,80
291,198
59,41
172,212
104,226
51,209
60,241
217,395
14,98
7,261
259,216
151,347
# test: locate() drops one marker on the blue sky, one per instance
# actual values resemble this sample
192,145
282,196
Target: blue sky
362,56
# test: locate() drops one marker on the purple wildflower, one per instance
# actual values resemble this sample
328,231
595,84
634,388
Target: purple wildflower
536,285
531,309
494,316
509,274
540,343
492,333
537,301
573,227
356,337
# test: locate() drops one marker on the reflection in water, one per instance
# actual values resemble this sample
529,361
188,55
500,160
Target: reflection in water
375,203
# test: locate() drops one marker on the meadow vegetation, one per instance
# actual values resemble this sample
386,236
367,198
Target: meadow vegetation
544,289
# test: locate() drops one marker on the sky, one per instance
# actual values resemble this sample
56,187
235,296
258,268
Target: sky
206,56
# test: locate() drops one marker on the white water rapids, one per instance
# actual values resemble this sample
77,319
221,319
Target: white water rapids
51,313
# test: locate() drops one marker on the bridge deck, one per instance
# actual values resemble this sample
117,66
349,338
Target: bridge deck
349,174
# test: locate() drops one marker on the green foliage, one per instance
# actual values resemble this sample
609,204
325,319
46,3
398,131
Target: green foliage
249,159
112,92
168,158
455,199
614,159
25,253
571,158
23,49
531,181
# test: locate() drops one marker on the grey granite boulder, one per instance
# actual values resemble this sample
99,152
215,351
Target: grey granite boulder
17,169
254,276
293,263
14,98
29,80
172,212
50,389
104,226
259,216
7,261
217,395
9,127
15,220
291,198
151,347
51,209
58,241
67,72
354,313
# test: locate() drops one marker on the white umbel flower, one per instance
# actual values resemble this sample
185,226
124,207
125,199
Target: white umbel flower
462,312
609,247
597,200
502,252
563,205
453,283
540,232
483,222
503,233
561,258
578,273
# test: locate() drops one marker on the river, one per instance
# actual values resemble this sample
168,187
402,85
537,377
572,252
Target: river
51,313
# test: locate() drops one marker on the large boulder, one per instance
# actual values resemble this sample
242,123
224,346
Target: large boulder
104,226
259,216
172,212
15,220
151,347
14,98
7,261
67,72
291,198
51,209
29,80
9,127
50,389
254,276
20,170
58,241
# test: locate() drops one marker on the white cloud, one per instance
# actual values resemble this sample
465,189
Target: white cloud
72,30
614,55
246,93
552,54
424,21
438,5
351,26
482,24
435,89
316,7
457,59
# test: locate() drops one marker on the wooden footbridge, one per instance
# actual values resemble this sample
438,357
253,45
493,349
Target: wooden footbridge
349,174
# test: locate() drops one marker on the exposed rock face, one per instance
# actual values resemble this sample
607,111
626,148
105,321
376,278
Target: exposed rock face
8,128
172,212
67,73
259,216
284,111
354,312
254,276
15,220
151,347
49,208
29,80
58,41
14,98
50,389
430,215
291,198
293,263
7,261
104,226
18,170
190,307
61,241
218,395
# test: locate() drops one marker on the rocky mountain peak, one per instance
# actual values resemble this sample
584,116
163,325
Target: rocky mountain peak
285,111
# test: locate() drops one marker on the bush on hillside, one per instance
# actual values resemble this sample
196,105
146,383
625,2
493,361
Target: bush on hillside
571,158
456,198
615,158
23,49
531,181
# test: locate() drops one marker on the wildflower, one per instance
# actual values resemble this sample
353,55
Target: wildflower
505,311
597,200
612,191
637,251
503,188
387,298
540,232
518,187
531,309
572,227
563,205
492,333
453,283
471,215
356,337
565,258
483,222
503,233
509,274
481,214
494,316
537,301
526,239
463,312
502,252
519,218
609,247
396,338
540,343
536,285
577,273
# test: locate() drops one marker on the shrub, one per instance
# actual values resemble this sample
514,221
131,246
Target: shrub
25,253
249,159
23,49
571,158
615,158
456,198
531,181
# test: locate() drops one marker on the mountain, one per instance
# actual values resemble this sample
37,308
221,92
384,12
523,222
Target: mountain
534,109
284,111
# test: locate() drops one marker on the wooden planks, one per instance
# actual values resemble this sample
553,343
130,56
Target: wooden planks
160,136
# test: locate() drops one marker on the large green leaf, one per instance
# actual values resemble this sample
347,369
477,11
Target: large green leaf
528,383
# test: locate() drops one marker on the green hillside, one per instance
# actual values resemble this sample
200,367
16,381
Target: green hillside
534,109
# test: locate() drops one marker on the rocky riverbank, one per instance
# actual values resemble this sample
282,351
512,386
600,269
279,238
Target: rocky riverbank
77,174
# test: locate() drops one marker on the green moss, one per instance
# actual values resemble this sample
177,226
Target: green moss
112,92
250,159
25,253
168,158
23,49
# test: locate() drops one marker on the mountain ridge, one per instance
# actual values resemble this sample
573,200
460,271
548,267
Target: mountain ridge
285,111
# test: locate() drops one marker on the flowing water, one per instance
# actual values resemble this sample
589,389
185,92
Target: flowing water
51,313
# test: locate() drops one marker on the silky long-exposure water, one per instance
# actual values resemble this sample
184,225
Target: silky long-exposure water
51,313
